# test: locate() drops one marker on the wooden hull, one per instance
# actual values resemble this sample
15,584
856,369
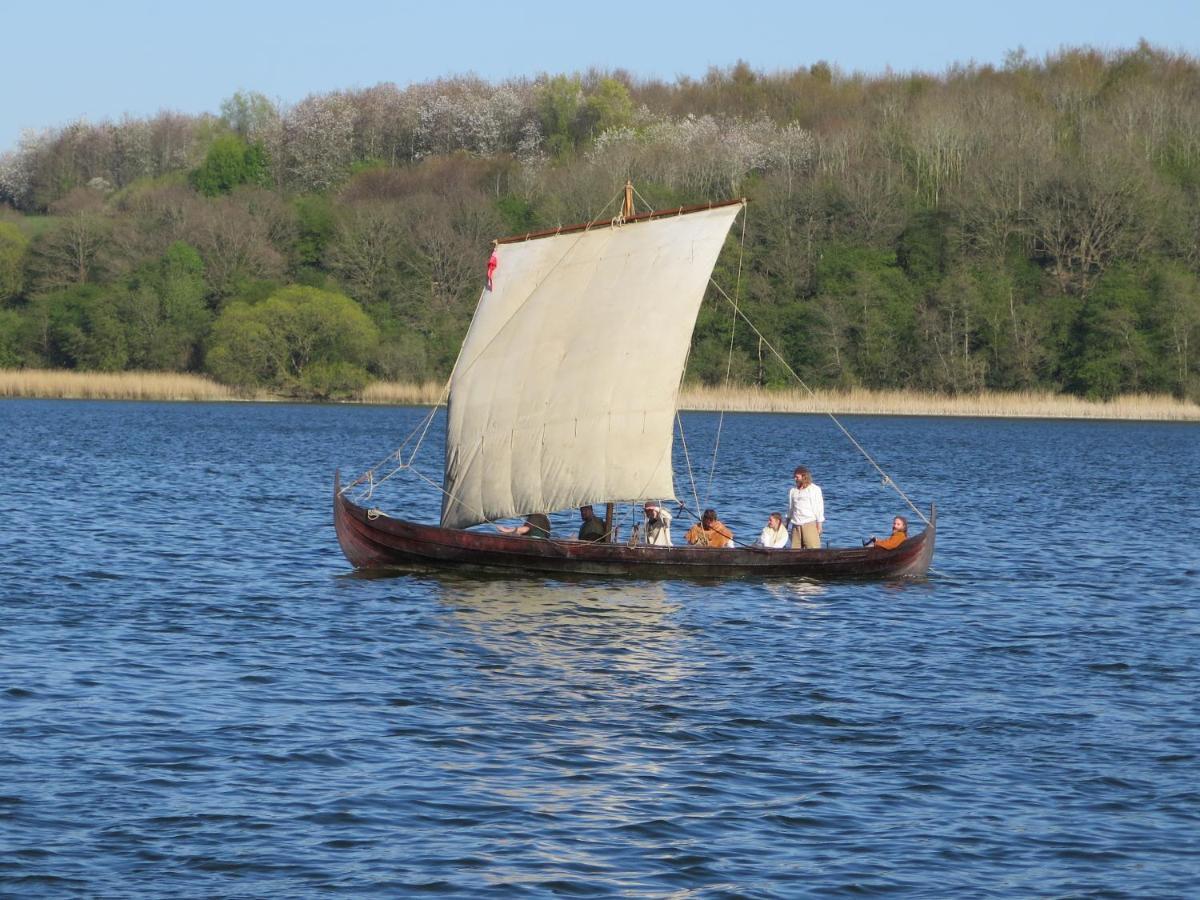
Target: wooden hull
372,540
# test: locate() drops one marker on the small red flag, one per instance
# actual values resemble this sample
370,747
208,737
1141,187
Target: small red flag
492,263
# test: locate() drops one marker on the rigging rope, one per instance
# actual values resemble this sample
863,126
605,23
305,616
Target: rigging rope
728,360
887,479
398,454
686,458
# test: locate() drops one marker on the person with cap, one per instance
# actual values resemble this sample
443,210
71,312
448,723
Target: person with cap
658,525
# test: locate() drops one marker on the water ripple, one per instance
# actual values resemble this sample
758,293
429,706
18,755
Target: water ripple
199,699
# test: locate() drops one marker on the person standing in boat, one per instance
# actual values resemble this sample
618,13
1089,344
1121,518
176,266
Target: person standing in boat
774,536
709,531
658,525
898,536
592,528
806,511
536,525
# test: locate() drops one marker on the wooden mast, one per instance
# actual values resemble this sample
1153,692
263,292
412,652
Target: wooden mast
626,214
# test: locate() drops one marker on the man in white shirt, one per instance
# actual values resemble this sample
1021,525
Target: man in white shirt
806,511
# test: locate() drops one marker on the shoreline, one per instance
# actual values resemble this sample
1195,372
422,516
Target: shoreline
174,387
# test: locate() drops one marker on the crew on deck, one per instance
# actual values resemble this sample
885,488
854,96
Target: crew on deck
658,525
806,511
774,536
709,531
898,536
591,529
536,525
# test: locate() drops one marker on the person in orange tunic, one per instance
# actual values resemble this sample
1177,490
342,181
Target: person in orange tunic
709,531
898,536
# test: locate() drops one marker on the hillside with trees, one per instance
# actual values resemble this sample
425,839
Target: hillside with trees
1029,226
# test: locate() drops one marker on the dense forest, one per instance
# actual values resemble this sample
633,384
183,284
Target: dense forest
1034,225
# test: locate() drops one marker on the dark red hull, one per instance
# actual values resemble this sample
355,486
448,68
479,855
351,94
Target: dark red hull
372,540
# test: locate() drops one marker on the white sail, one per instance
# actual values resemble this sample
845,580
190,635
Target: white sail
565,390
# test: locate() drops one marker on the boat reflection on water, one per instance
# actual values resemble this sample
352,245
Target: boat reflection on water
589,629
645,602
799,589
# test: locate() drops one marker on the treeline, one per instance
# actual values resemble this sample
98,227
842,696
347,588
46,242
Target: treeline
1032,226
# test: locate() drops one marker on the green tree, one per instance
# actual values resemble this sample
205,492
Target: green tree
13,247
315,226
300,339
1013,328
11,351
230,161
1112,352
876,303
1176,315
81,329
607,106
166,313
248,114
559,102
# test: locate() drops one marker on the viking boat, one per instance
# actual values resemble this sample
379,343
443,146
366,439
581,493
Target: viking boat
563,395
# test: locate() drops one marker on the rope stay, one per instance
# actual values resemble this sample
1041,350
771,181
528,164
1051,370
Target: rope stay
687,459
888,481
737,290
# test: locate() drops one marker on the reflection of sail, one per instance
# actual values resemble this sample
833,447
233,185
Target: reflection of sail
609,636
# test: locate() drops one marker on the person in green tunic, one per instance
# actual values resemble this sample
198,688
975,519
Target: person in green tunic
591,529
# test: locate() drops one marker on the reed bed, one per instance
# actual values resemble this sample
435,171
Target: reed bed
64,385
400,393
1031,405
174,386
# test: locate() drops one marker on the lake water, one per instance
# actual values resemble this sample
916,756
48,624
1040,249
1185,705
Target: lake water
198,697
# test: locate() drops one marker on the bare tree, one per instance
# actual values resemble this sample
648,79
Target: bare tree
72,251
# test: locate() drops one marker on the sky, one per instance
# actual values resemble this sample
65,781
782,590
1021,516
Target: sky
66,60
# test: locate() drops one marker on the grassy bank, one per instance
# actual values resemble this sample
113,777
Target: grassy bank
171,386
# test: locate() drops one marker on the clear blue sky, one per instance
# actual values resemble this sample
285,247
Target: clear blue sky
68,59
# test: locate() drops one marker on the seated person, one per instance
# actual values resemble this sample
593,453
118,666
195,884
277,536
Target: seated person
658,525
898,536
709,531
774,536
592,528
536,525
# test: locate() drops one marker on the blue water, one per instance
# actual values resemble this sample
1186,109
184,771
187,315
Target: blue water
198,698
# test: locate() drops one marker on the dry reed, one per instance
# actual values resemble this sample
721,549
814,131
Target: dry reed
1143,407
1031,405
400,393
174,386
58,384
